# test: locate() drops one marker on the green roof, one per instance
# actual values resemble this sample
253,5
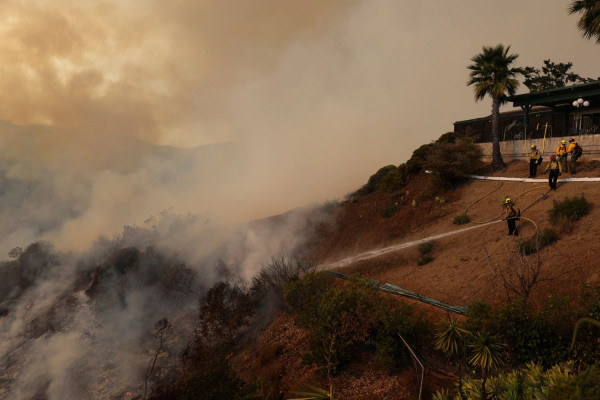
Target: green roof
552,97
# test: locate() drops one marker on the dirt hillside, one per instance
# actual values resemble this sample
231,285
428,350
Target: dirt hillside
465,268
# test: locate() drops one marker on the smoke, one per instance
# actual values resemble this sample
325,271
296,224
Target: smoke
165,125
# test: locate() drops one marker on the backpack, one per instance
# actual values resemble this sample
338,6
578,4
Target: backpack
578,149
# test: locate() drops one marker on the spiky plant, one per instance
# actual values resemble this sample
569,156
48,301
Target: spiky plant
450,337
486,350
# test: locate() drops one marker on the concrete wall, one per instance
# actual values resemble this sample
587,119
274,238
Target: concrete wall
520,149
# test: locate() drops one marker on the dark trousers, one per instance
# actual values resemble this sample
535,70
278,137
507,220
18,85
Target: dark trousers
532,168
512,226
552,178
574,158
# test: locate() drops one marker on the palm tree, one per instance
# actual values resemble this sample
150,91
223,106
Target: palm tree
492,75
486,349
450,339
589,22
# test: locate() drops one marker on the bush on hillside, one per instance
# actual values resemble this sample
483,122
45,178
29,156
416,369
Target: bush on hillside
535,243
343,320
583,386
570,208
450,162
425,248
386,180
419,157
531,335
461,219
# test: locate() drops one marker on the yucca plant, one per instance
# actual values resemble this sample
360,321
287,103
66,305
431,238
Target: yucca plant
450,340
486,349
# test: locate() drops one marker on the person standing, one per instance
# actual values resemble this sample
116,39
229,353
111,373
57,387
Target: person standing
534,160
513,214
575,150
554,168
561,153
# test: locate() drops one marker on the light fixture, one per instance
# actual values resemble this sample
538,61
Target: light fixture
581,103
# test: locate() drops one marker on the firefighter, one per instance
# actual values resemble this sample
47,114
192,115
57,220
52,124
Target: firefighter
575,150
561,152
554,168
513,214
534,160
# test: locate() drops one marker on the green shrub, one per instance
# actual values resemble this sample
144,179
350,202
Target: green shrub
451,162
548,236
570,208
583,386
535,243
461,219
303,294
395,318
386,180
425,248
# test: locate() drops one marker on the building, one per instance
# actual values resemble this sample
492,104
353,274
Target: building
561,112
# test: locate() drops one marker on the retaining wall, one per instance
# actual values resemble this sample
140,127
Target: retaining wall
520,149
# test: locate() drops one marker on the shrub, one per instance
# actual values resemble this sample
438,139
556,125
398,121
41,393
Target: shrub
570,208
453,161
425,248
387,179
302,295
535,243
583,386
461,219
417,160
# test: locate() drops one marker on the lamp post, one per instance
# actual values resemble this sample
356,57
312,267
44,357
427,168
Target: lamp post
579,103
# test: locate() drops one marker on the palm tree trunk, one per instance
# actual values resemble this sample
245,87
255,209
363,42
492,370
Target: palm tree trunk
497,162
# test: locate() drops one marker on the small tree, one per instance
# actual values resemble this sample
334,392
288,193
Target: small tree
552,75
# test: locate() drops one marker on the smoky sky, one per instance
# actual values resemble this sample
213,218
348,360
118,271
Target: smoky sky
313,96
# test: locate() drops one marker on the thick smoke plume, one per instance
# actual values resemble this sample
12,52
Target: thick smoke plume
150,130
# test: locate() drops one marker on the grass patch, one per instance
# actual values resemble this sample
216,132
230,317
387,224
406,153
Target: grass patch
570,209
461,219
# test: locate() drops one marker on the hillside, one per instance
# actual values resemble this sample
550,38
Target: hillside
465,269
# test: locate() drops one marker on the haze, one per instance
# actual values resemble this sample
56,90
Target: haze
306,98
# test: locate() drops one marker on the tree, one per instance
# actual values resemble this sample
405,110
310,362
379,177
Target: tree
589,22
552,75
491,74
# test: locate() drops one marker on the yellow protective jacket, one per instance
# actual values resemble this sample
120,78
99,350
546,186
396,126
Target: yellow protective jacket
572,147
512,211
535,154
551,165
561,150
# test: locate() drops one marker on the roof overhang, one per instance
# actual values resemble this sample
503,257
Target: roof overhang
558,96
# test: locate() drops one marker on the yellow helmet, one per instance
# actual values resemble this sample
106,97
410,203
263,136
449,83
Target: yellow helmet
563,141
533,146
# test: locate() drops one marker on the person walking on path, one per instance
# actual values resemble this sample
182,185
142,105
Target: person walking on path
575,150
534,161
554,168
561,152
513,214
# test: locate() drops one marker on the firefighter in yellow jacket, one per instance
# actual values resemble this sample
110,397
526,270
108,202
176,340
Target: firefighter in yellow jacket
513,214
575,150
561,154
534,161
553,167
